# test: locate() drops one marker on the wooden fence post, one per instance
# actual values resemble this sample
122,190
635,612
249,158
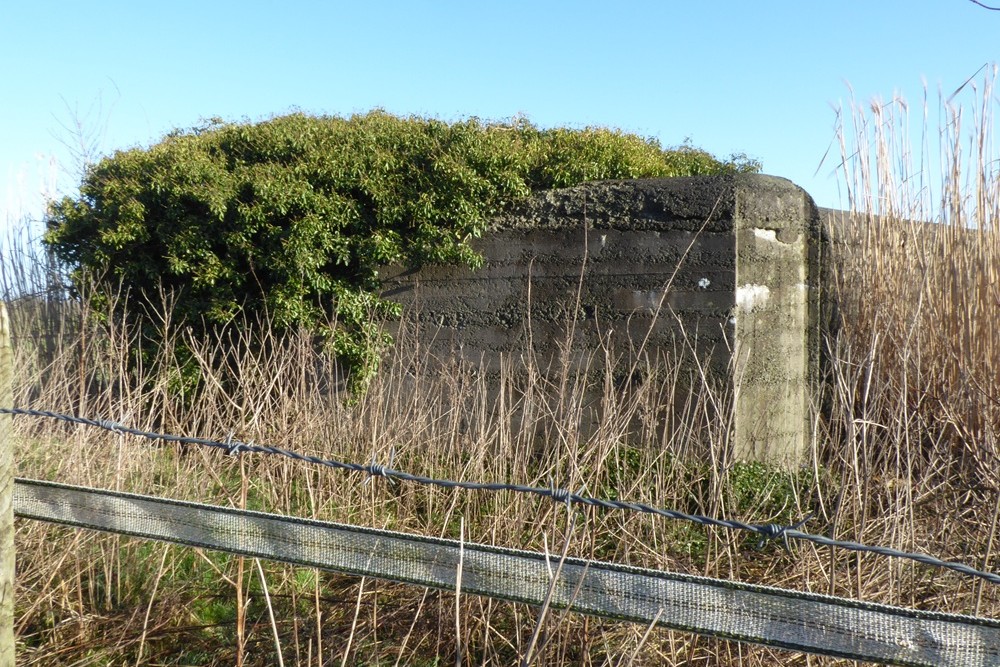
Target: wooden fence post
6,496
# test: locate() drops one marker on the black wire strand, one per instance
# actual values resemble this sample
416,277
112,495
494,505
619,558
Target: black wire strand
766,532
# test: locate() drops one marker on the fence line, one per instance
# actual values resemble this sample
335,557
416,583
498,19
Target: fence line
786,619
767,531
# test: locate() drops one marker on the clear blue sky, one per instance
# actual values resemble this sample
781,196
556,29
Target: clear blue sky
730,75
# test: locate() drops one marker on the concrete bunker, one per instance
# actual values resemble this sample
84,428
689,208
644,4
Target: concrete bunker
736,259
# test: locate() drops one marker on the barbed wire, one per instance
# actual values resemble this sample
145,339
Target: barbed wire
765,531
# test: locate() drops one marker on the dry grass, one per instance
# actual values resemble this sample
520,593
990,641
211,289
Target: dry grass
451,426
906,456
917,362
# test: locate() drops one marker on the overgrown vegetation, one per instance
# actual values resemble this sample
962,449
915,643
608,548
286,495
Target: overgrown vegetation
906,457
293,217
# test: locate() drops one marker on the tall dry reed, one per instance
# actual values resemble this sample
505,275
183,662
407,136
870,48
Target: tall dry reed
917,361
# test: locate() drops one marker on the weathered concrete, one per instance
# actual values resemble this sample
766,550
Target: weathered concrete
777,312
728,265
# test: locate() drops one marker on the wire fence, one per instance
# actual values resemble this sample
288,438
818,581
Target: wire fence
765,531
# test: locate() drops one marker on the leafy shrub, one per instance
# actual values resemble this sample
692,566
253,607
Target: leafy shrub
294,215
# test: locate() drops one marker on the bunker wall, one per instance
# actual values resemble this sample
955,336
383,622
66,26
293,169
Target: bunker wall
727,266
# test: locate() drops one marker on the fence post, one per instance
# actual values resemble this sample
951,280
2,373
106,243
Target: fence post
6,496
